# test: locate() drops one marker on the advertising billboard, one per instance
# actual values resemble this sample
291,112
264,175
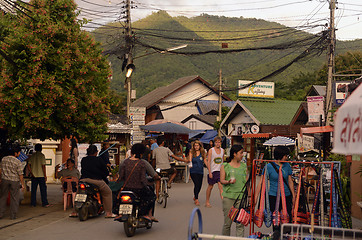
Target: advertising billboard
259,89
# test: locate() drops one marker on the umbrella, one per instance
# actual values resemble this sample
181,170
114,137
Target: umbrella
279,141
167,127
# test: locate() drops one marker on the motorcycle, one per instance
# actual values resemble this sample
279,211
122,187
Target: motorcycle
88,201
130,213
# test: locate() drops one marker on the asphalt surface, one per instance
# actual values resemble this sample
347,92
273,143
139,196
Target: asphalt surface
54,223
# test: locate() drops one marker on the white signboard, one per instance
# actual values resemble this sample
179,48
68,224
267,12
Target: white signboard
137,118
315,108
260,89
348,125
341,89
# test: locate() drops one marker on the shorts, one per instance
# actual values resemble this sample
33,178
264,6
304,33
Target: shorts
169,171
215,178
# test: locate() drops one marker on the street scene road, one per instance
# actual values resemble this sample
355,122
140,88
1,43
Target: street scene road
54,223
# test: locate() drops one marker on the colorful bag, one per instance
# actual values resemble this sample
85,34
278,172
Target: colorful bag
267,213
346,219
301,213
233,213
259,214
243,217
284,214
276,213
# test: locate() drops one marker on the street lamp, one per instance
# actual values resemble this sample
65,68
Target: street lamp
130,68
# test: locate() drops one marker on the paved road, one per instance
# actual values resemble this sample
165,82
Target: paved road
54,223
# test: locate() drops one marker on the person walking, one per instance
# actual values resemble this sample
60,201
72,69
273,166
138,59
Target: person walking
11,178
196,157
215,158
36,165
233,176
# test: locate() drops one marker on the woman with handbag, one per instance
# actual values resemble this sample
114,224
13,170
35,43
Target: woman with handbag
233,175
280,154
133,173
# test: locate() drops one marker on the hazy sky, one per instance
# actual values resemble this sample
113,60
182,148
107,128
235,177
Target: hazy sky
348,16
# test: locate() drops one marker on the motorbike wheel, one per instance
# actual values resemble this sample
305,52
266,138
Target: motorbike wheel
149,225
83,213
129,229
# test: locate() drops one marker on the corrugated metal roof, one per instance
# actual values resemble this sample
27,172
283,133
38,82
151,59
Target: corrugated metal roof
160,93
321,90
206,106
272,112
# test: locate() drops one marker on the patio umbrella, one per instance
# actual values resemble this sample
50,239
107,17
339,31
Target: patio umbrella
167,127
279,141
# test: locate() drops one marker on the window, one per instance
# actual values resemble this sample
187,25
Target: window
192,125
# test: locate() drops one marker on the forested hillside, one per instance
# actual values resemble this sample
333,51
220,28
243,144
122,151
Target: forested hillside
207,33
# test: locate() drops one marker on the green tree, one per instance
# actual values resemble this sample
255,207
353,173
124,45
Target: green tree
60,82
350,62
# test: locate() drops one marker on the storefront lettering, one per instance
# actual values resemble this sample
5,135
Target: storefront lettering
352,129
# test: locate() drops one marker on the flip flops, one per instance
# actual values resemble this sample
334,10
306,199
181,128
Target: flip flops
111,216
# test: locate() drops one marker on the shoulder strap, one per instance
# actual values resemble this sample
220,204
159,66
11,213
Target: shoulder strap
285,181
127,179
282,193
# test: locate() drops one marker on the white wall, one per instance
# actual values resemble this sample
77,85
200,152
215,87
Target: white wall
50,151
199,125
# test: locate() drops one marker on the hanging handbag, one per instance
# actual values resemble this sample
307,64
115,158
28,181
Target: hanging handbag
346,219
244,213
301,213
276,213
314,212
259,214
244,208
233,213
267,213
284,213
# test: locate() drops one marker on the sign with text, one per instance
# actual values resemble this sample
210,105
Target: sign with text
340,91
137,118
259,89
315,108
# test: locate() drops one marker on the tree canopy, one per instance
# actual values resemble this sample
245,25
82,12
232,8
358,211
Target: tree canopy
59,82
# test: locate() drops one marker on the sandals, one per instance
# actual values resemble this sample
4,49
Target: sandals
208,205
154,219
111,216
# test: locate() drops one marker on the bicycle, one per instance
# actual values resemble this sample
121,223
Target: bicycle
163,192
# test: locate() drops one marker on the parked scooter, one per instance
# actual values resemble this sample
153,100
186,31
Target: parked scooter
88,201
130,213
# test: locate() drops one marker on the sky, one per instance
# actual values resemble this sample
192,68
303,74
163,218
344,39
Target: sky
292,13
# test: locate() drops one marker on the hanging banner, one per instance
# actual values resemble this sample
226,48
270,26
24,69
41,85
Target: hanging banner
315,108
259,89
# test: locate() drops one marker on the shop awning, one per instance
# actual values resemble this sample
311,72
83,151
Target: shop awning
316,130
257,135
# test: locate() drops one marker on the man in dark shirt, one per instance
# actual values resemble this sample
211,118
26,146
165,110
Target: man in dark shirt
94,170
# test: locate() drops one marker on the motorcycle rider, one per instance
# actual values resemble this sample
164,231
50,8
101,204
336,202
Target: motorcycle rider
133,173
94,171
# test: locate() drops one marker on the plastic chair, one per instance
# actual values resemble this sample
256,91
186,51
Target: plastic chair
69,192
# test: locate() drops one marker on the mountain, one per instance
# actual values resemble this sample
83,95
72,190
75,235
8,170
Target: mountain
208,33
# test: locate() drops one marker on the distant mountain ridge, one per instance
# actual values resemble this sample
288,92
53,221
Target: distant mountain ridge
201,34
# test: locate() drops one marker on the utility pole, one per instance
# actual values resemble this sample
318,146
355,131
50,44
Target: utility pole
220,103
331,50
129,46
